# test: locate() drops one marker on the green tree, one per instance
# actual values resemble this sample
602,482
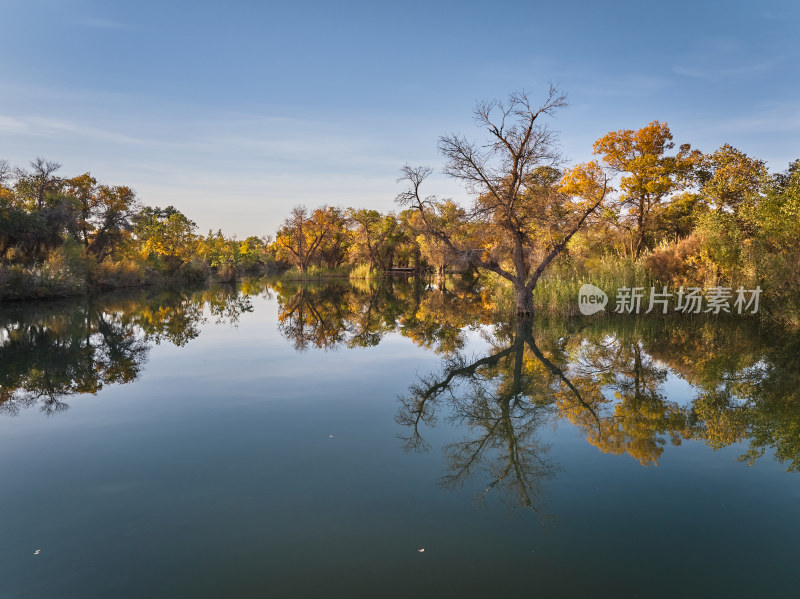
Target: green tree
112,220
40,186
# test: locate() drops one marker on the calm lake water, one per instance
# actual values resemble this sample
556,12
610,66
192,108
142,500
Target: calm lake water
281,441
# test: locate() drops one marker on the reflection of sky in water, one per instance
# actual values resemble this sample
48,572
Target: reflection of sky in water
678,390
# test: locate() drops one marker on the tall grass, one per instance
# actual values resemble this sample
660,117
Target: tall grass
124,273
557,291
363,271
40,281
315,272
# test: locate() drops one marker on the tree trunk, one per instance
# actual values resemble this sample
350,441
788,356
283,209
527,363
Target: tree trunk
524,299
639,230
441,281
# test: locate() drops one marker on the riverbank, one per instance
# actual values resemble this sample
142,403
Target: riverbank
555,296
57,281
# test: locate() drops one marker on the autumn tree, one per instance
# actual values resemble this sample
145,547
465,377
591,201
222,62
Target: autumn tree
407,252
648,175
166,234
522,216
728,178
444,215
112,220
677,219
300,238
335,245
103,214
376,237
38,186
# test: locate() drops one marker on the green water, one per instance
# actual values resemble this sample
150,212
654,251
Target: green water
288,441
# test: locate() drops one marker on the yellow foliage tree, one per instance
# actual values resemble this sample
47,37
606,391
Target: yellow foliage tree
648,174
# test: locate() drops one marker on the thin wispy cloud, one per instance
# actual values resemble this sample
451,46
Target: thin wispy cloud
36,126
719,60
784,118
619,85
26,93
720,73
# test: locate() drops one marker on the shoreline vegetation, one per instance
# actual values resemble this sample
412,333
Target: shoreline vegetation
642,214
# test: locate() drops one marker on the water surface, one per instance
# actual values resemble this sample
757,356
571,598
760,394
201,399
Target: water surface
283,440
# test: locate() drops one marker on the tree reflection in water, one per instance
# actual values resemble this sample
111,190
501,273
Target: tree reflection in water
608,379
606,376
495,397
51,351
359,315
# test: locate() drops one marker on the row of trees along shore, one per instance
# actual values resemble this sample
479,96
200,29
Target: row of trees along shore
60,236
643,212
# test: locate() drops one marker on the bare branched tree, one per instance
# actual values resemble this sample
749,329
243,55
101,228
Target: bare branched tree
524,212
504,400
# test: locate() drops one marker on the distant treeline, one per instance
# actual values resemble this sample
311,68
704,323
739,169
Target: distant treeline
62,235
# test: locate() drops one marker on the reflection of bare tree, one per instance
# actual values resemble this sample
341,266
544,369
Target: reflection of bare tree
506,447
504,397
605,383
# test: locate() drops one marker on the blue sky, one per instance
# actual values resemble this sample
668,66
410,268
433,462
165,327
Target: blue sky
236,111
